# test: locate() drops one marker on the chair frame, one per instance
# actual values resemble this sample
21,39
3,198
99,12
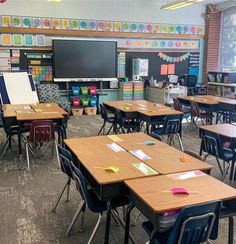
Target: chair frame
106,119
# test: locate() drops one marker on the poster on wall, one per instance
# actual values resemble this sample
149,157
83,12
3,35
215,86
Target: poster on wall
17,40
40,40
26,22
16,21
6,40
46,23
6,21
28,40
37,22
143,67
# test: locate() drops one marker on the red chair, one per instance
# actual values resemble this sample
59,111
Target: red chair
205,117
41,132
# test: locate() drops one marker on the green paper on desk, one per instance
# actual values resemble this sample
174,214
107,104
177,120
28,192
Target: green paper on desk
145,169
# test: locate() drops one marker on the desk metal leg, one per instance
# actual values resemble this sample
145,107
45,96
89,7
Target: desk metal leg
107,230
127,223
231,230
154,232
19,144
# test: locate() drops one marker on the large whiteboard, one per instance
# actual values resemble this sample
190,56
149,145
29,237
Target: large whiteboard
19,88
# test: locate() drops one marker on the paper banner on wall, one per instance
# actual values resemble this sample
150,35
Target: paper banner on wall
56,24
6,21
156,28
46,23
65,24
16,21
126,27
37,22
28,39
83,24
117,26
199,29
92,25
17,40
171,69
133,27
40,40
171,29
164,28
6,40
109,26
141,27
101,25
178,29
74,24
148,28
185,29
192,29
164,69
26,22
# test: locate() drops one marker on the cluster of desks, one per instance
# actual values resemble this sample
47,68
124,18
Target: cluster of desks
143,110
149,190
23,113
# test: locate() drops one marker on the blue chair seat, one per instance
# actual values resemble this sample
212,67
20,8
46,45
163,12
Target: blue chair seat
228,154
160,238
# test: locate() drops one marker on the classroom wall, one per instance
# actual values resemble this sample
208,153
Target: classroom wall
123,10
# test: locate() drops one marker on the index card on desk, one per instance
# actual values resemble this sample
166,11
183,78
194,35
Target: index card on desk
186,175
140,154
114,138
145,169
115,147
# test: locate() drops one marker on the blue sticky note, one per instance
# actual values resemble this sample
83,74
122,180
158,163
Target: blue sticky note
149,143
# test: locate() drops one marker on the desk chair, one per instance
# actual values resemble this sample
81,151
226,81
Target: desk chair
194,225
125,126
10,130
50,93
41,131
172,126
212,145
90,199
106,119
196,113
178,107
65,158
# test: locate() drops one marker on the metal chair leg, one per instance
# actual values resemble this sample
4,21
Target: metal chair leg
231,230
59,198
234,168
180,142
5,146
57,154
81,229
76,215
27,155
68,191
95,228
136,218
218,162
103,126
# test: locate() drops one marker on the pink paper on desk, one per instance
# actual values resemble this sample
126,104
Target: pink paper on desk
179,190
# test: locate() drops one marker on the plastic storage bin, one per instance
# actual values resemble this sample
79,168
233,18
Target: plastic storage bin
90,110
77,111
75,90
93,101
75,102
84,90
85,101
92,90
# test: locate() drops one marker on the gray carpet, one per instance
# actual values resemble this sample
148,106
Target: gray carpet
26,199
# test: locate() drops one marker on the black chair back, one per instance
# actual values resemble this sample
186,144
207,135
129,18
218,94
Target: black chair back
103,111
172,124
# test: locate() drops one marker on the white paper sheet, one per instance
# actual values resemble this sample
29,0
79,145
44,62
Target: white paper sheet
115,147
140,154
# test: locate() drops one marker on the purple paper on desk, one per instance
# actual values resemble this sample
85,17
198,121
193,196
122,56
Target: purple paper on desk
179,190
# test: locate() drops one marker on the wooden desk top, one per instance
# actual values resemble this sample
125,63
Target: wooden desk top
10,110
124,106
130,141
167,160
227,130
95,156
38,116
200,99
159,112
155,191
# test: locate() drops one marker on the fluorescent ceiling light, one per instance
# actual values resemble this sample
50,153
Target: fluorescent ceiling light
54,1
179,4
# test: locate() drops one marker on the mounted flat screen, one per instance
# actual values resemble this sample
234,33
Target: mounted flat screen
84,59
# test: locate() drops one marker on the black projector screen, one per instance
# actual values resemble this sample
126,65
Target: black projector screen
84,59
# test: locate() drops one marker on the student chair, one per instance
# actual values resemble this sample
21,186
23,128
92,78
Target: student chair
106,119
65,158
194,225
10,130
172,126
212,145
90,199
41,132
178,107
196,113
50,93
125,126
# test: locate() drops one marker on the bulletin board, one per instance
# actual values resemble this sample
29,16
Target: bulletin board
156,63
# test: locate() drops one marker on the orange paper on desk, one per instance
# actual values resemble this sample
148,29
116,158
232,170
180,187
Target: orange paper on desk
164,69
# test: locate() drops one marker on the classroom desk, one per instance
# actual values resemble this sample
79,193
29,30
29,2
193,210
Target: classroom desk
153,196
94,155
226,130
130,141
203,102
143,110
25,113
